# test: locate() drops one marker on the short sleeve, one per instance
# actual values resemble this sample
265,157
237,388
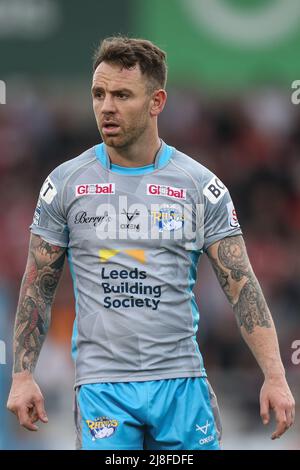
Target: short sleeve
220,218
49,221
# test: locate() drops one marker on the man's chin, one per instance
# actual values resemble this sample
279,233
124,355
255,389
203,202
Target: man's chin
113,141
108,140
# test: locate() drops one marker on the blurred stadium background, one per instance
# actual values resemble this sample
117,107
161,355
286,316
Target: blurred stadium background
231,66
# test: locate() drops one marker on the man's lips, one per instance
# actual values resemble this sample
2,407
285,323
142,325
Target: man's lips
110,128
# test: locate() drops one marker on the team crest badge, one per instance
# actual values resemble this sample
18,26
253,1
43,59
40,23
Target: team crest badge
167,219
102,427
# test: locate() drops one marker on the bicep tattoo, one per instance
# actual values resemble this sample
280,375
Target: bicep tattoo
236,277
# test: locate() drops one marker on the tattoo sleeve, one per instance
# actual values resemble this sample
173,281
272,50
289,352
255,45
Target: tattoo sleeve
238,281
44,267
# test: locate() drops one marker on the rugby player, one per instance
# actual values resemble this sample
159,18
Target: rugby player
133,216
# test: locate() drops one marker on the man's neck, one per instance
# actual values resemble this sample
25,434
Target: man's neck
138,154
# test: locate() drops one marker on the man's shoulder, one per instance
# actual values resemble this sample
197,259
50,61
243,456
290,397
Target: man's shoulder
191,167
66,169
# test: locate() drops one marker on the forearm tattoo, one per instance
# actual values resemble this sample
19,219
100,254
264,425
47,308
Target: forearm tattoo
240,285
43,270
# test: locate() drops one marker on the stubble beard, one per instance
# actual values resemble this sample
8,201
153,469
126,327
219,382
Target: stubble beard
129,136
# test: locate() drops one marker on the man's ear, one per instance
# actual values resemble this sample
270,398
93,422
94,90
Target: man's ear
158,102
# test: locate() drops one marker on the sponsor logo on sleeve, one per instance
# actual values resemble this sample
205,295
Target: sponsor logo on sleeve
232,216
37,213
94,189
48,191
169,191
214,190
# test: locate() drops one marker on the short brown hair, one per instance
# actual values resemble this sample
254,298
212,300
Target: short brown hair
128,52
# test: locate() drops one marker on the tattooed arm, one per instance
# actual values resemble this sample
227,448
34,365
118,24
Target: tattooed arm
233,269
44,267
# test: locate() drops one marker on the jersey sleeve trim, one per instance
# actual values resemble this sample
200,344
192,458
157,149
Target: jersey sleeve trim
50,236
220,235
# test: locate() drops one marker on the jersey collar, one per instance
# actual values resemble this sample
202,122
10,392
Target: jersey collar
162,158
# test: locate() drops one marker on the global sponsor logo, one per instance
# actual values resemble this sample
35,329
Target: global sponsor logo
83,217
94,189
102,427
232,215
167,219
169,191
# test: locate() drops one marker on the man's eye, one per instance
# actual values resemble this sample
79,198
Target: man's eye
122,96
98,94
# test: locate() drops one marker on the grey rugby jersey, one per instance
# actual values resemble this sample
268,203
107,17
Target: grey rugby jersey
133,238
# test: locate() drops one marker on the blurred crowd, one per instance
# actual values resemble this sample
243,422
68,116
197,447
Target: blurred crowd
251,142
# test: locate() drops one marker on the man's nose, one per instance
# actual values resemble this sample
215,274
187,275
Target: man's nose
108,105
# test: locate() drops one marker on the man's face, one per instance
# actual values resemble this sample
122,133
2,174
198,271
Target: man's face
121,104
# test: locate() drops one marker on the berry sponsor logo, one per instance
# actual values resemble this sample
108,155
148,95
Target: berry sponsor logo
83,217
169,191
94,189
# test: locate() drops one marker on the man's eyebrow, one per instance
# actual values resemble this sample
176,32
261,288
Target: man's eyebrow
96,88
122,90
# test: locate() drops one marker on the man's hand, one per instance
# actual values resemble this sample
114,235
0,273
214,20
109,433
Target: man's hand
26,401
276,395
